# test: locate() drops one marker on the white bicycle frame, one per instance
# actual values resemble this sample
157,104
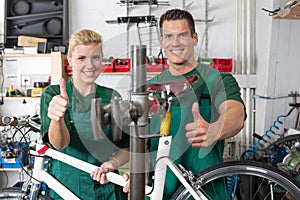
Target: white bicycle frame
156,192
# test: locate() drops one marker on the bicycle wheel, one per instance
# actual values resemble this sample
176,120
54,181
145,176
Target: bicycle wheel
16,193
287,141
254,180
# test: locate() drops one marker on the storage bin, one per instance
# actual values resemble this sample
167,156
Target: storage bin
223,64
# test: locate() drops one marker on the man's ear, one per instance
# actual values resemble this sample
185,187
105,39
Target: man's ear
160,42
195,38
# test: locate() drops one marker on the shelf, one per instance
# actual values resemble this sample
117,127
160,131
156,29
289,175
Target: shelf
294,13
25,55
43,19
10,169
46,14
21,97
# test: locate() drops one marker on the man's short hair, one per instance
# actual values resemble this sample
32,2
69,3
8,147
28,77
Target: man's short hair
178,14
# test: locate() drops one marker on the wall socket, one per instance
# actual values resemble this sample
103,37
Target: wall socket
25,81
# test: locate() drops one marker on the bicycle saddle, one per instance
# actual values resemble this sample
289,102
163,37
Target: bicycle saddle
174,87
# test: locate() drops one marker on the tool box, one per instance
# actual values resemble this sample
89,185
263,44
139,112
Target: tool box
14,155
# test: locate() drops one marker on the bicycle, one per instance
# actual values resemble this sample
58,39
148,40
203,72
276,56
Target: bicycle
192,184
266,181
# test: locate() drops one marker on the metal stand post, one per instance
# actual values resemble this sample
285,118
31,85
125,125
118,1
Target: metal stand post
139,127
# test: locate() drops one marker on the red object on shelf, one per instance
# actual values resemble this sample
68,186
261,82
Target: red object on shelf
158,66
107,68
117,65
222,64
121,64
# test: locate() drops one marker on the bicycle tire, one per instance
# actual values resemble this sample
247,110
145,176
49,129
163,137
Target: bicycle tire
255,170
15,193
287,140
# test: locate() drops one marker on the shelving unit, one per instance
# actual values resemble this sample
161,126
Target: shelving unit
46,19
293,14
148,33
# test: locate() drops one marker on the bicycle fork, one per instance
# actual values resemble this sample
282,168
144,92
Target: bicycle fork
163,161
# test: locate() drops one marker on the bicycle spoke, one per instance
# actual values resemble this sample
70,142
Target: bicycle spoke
254,181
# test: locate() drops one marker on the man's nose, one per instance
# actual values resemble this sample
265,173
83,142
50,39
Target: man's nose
176,39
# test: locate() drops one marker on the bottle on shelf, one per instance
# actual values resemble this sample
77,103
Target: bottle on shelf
11,91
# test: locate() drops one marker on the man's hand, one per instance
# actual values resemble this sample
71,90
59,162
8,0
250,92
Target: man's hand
197,131
59,103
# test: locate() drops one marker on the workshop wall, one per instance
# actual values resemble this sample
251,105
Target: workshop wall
95,13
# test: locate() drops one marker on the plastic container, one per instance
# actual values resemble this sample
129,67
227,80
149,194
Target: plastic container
121,64
158,65
222,64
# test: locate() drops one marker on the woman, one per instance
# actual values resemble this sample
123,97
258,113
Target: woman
66,124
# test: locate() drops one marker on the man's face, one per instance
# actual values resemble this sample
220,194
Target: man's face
178,42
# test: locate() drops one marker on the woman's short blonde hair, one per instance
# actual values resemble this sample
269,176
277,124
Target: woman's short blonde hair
84,37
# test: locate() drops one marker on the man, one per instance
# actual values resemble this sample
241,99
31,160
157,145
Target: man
202,118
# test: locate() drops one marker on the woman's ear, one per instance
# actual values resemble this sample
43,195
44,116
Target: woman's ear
69,61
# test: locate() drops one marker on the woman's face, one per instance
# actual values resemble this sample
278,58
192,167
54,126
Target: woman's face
86,62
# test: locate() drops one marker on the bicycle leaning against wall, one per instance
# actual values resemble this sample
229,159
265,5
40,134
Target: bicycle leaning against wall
265,182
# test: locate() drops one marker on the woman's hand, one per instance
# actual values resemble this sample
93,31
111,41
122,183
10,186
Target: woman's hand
59,103
126,177
100,173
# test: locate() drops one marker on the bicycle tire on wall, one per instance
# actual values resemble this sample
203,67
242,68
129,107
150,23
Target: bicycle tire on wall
15,193
255,170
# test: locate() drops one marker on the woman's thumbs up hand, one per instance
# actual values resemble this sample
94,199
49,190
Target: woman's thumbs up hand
59,103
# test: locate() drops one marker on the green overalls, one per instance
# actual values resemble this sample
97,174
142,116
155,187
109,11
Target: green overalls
209,91
82,145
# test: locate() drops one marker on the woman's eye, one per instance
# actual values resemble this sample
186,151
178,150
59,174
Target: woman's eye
81,58
96,57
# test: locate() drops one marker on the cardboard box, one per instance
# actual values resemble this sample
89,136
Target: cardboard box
27,41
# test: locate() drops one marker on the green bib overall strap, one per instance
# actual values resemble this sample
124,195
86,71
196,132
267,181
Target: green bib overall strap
69,87
205,100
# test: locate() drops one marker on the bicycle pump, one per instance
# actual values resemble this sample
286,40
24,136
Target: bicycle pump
139,125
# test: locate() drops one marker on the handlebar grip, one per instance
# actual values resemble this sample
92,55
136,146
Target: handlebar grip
165,124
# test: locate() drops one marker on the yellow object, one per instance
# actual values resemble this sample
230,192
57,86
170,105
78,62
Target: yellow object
165,124
11,91
27,41
37,92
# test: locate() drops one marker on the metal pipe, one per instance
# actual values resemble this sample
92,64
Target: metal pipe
138,68
139,98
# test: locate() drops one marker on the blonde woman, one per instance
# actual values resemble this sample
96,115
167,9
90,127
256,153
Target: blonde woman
66,124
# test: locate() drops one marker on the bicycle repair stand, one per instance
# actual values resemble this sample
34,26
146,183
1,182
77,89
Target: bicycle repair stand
139,126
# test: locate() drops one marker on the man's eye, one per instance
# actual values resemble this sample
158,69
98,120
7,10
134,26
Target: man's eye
81,58
168,36
184,35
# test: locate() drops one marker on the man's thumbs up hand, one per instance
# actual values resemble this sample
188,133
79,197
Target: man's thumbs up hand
59,103
197,130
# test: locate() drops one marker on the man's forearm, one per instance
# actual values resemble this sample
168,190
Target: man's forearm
231,120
